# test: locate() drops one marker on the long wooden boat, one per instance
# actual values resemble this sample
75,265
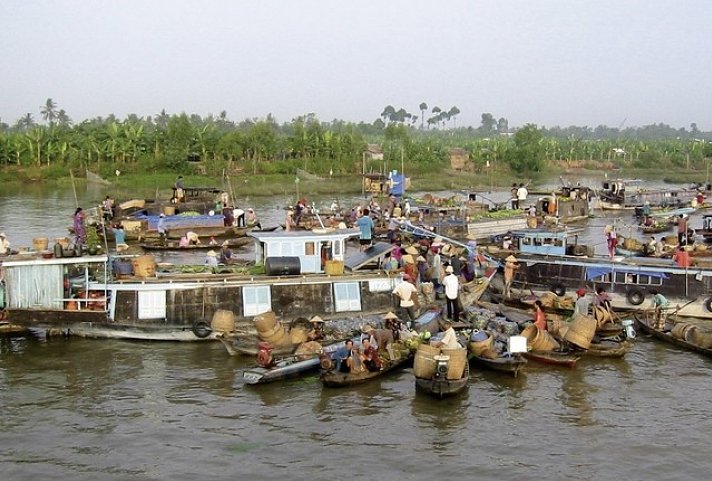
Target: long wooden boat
286,368
174,246
552,358
623,194
510,364
644,326
342,379
607,348
441,387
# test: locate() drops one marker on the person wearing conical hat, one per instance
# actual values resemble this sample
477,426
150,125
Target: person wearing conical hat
225,253
409,267
211,258
317,330
510,267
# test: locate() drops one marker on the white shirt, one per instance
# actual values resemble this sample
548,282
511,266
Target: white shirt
522,193
452,286
450,340
404,291
4,246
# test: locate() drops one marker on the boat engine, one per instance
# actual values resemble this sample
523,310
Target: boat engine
264,354
441,366
628,328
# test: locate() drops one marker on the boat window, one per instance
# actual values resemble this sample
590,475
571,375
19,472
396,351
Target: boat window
604,278
337,248
347,296
620,278
256,300
656,281
643,279
309,248
631,278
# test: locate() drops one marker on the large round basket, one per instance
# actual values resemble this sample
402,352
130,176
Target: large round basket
298,335
581,330
424,363
40,243
701,339
602,315
307,350
265,322
539,340
456,365
144,266
223,321
679,330
277,338
478,347
267,335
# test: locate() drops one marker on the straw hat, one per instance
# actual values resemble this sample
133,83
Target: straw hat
408,259
367,328
449,269
412,250
316,320
421,259
438,242
211,254
390,315
511,258
225,243
446,249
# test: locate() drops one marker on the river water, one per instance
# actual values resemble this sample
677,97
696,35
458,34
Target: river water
110,410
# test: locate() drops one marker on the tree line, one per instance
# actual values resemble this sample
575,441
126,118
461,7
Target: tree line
262,145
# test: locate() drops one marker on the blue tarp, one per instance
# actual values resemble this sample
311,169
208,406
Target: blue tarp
597,271
183,221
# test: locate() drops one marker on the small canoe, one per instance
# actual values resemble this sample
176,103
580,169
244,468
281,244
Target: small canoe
510,364
644,326
343,379
607,348
440,386
552,358
286,368
174,246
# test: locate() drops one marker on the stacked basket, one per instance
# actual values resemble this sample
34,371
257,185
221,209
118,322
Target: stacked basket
270,330
539,340
581,331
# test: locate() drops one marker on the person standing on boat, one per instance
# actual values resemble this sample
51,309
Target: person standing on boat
522,194
4,244
289,220
513,196
510,267
365,225
225,253
611,240
179,189
659,304
107,208
539,316
120,238
252,220
162,230
452,291
582,304
228,216
238,216
681,229
80,233
407,295
682,257
646,209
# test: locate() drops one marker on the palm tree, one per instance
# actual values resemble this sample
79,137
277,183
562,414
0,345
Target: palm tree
63,118
423,107
49,111
25,122
453,113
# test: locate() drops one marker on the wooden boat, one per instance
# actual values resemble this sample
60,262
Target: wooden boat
440,386
174,246
607,348
552,358
428,321
643,323
510,363
285,368
472,291
656,228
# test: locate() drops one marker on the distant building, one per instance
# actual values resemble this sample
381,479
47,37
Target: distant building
459,159
373,152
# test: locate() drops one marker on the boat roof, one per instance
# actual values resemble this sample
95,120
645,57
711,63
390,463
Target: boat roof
18,260
360,259
316,234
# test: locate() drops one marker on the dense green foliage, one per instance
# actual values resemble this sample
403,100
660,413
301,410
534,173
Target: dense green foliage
170,143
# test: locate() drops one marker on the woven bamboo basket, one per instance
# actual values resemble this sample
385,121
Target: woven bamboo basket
477,347
701,339
424,363
271,336
679,330
298,335
581,331
223,321
539,340
265,322
548,299
456,365
307,350
40,243
144,266
691,332
602,315
557,327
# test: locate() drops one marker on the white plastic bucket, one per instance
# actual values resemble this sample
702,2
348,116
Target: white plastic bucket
517,344
628,326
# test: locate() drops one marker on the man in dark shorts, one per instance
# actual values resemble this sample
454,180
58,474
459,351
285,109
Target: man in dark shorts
365,225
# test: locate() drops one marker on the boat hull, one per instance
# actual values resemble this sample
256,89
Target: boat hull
441,387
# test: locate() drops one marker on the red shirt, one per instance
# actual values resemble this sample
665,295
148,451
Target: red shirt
540,319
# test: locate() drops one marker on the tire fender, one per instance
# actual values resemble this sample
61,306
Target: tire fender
201,329
708,304
635,297
558,289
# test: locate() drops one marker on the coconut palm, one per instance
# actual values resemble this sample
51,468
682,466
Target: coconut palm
49,111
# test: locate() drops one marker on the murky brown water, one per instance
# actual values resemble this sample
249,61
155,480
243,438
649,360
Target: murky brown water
110,410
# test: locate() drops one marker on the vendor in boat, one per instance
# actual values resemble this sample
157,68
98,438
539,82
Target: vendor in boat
379,338
422,264
649,248
211,259
449,340
193,238
80,233
659,304
365,225
511,264
582,304
602,299
317,329
252,220
646,209
179,189
369,356
162,229
107,208
4,244
681,229
228,216
407,294
452,291
225,253
120,238
539,315
394,324
343,357
681,257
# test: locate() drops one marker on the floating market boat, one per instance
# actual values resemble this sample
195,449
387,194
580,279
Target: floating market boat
628,194
644,322
552,358
175,246
510,363
440,386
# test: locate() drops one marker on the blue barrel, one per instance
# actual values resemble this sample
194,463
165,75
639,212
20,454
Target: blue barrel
283,266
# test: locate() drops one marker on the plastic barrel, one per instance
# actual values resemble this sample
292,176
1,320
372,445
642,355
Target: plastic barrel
283,266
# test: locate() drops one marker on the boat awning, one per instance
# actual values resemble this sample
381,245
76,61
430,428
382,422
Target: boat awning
597,271
357,261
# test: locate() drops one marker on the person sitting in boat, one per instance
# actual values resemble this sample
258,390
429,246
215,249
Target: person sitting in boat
251,218
449,339
225,253
369,356
602,299
4,244
394,324
539,316
582,304
343,357
211,259
659,304
239,217
162,229
659,247
379,338
649,248
681,257
648,221
183,242
317,330
120,238
193,238
700,198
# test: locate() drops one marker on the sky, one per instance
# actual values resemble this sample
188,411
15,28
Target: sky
547,62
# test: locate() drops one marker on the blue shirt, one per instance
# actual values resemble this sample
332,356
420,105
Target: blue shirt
161,225
366,225
120,236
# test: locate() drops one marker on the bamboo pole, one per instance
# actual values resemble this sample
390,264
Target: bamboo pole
74,188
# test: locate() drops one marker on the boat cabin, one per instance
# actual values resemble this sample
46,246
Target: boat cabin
313,248
549,242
